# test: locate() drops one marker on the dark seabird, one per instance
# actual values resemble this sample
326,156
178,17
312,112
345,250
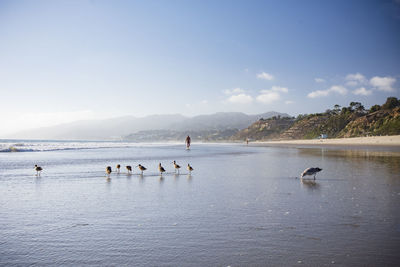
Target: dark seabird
129,168
176,166
161,168
310,171
141,168
189,168
38,169
108,170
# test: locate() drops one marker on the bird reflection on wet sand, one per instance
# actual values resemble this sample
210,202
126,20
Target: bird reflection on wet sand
310,184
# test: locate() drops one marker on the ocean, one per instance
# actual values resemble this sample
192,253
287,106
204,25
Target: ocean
241,205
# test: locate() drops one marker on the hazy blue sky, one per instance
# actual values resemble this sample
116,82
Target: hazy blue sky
66,60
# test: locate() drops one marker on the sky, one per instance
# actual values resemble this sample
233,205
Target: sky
62,61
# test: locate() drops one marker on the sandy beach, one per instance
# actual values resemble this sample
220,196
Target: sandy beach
393,140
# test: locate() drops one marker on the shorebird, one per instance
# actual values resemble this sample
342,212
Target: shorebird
161,168
118,167
310,171
38,169
141,168
129,168
108,170
190,169
176,166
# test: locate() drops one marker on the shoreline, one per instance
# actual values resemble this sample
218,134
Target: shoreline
371,141
392,141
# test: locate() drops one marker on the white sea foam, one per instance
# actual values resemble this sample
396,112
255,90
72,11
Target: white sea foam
37,146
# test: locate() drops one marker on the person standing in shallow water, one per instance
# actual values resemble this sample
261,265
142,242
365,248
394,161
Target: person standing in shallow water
187,141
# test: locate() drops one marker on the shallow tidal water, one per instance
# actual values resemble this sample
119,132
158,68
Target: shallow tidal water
241,206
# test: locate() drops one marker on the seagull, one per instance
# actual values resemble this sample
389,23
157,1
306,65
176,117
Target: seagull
129,168
108,170
118,167
38,169
310,171
161,168
141,168
176,166
190,169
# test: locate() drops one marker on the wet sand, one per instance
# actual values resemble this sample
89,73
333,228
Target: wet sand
381,141
241,206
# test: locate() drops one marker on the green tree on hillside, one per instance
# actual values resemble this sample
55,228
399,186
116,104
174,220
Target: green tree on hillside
336,109
374,108
391,102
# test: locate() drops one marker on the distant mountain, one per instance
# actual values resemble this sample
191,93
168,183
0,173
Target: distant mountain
120,127
107,129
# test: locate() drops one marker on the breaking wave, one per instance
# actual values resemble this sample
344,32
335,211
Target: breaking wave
56,146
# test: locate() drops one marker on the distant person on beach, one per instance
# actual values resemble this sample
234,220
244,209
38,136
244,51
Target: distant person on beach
187,141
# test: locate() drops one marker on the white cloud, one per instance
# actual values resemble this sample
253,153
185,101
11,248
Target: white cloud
333,89
355,79
273,94
383,83
204,102
319,80
265,76
318,93
338,89
362,91
276,89
233,91
267,97
279,89
240,99
288,102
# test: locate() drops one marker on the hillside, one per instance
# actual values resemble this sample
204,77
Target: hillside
381,122
265,129
351,121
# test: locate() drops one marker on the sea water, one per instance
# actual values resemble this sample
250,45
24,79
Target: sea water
241,206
